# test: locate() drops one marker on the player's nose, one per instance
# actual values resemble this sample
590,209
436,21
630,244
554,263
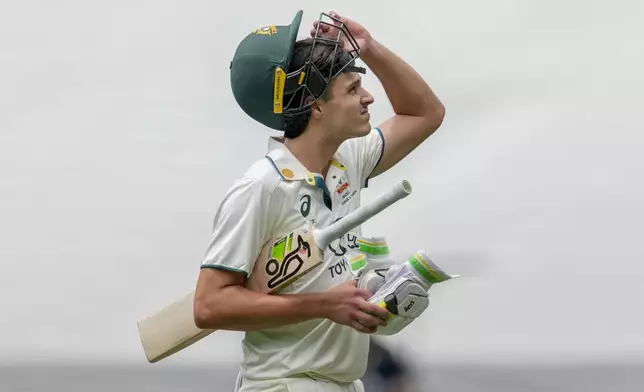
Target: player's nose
366,99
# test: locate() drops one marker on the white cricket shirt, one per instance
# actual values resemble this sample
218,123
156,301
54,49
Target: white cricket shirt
276,195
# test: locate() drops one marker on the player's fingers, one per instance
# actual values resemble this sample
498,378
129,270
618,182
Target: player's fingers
324,27
375,310
321,33
340,21
369,320
335,15
353,282
362,328
364,293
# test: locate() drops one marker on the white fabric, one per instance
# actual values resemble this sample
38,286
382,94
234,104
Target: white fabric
241,225
269,200
296,384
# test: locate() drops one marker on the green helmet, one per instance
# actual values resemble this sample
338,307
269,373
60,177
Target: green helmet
264,86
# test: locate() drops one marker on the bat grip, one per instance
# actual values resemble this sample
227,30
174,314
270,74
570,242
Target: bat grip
325,236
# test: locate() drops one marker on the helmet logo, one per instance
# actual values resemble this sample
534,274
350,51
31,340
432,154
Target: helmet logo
266,30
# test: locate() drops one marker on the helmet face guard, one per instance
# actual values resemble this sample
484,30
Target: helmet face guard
309,80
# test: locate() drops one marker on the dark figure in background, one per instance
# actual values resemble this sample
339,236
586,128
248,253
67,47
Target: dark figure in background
385,371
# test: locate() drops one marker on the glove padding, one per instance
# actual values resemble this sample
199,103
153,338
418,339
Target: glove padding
405,298
372,279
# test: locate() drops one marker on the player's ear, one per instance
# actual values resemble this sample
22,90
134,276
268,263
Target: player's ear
316,108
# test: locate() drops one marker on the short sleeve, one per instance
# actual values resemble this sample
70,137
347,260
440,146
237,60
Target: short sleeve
365,152
240,227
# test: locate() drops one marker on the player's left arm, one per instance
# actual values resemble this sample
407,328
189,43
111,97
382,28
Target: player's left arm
418,111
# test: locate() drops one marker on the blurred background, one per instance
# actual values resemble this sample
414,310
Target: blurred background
119,136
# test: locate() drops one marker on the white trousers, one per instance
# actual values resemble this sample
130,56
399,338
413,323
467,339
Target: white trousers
295,384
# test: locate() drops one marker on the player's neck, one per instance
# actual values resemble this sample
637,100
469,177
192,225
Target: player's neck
313,150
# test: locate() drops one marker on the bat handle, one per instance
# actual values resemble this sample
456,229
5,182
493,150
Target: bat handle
325,236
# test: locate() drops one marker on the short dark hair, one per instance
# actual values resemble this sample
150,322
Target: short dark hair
329,58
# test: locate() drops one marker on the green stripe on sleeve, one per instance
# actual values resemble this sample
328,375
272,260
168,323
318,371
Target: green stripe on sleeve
224,268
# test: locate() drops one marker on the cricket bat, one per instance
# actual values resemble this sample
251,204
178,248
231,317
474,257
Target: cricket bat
281,261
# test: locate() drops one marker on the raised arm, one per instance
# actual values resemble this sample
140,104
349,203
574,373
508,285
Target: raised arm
418,111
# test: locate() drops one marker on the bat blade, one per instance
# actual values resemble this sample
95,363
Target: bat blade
281,261
170,329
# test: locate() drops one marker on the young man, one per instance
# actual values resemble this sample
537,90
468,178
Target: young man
314,335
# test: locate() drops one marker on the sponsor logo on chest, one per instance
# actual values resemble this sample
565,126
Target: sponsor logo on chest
344,190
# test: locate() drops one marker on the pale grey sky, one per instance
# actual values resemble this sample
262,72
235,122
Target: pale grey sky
119,136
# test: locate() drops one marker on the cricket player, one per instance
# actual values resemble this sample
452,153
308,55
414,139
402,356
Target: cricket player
313,336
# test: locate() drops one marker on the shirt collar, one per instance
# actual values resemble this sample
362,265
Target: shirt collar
287,164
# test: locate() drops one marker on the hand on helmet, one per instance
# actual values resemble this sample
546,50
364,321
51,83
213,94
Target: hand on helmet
359,33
